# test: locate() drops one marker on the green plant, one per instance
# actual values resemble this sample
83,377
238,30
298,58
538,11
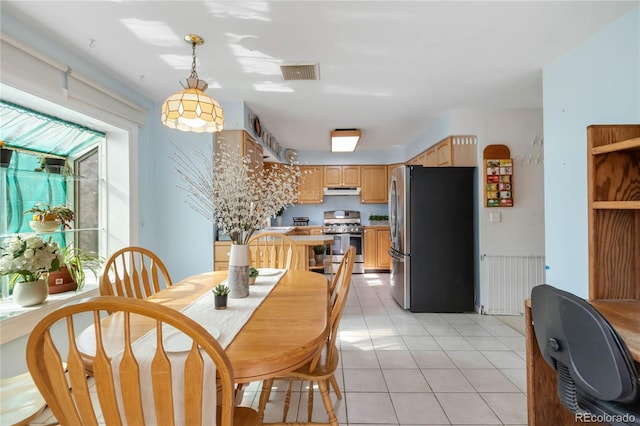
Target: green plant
318,249
378,217
43,212
253,272
221,290
78,260
52,165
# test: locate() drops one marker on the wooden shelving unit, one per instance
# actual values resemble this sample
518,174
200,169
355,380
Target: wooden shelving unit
613,171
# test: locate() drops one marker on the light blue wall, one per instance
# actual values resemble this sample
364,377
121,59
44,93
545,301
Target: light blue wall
434,133
333,202
598,82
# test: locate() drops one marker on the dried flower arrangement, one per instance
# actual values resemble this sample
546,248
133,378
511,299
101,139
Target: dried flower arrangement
236,197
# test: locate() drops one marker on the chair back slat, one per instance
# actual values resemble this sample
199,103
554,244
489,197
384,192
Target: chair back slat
51,364
194,376
161,366
123,405
129,373
103,374
78,379
134,272
273,250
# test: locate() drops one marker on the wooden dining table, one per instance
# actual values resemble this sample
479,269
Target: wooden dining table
282,334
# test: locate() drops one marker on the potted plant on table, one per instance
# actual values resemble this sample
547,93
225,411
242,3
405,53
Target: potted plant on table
72,273
253,274
26,258
48,219
220,296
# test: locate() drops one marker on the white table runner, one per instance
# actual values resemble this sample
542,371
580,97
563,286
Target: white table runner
228,321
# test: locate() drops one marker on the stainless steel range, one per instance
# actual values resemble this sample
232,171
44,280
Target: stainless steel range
345,226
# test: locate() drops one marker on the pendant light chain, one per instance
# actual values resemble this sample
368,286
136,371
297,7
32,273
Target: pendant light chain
194,74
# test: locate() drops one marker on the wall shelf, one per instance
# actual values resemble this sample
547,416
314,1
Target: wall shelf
629,144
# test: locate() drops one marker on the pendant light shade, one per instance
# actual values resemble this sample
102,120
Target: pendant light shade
191,109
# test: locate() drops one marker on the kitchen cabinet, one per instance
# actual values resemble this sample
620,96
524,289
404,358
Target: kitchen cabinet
310,185
341,176
431,158
375,185
458,151
245,145
443,153
221,251
376,248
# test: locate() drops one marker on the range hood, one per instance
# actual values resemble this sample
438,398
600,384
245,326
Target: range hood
342,191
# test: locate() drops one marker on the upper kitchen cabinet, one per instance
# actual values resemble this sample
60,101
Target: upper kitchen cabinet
244,143
375,185
310,185
443,153
457,151
341,176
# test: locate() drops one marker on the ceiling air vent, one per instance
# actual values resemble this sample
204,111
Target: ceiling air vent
300,71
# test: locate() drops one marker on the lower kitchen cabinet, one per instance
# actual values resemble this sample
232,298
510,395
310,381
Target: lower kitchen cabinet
376,248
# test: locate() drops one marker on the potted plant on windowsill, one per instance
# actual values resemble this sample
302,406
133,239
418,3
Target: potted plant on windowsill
5,155
48,219
73,269
26,258
220,292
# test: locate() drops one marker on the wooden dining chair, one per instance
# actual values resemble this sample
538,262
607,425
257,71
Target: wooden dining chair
123,401
21,400
273,250
133,272
322,367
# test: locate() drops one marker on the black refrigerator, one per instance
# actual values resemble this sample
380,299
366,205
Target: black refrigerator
433,227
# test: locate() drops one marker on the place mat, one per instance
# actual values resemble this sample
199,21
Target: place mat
228,322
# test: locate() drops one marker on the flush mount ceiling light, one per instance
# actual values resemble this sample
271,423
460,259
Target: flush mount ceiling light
344,140
191,109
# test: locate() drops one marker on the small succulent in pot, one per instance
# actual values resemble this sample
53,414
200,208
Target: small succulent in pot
253,274
220,292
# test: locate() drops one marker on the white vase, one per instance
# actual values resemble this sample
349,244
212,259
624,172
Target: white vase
278,220
30,293
239,271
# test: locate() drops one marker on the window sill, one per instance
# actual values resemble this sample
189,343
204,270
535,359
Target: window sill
16,321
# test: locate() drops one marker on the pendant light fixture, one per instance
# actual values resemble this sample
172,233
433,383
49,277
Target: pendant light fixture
191,109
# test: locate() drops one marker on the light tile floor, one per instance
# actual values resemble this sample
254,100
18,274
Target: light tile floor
403,368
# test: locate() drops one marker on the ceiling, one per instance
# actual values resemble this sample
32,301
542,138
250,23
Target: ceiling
389,68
